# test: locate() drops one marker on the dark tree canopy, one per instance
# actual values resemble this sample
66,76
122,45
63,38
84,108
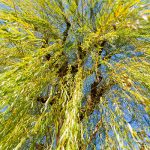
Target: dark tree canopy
74,74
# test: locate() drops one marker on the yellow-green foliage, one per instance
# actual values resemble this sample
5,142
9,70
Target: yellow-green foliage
31,30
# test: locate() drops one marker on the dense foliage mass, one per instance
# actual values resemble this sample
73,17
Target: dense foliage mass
74,74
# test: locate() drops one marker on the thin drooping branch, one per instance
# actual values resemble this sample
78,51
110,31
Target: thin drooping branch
44,45
43,99
95,130
92,18
66,32
81,53
97,127
65,35
97,91
63,69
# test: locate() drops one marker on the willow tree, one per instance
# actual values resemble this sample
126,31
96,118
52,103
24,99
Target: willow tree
74,74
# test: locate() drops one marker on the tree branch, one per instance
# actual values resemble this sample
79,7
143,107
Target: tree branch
97,127
94,98
65,34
